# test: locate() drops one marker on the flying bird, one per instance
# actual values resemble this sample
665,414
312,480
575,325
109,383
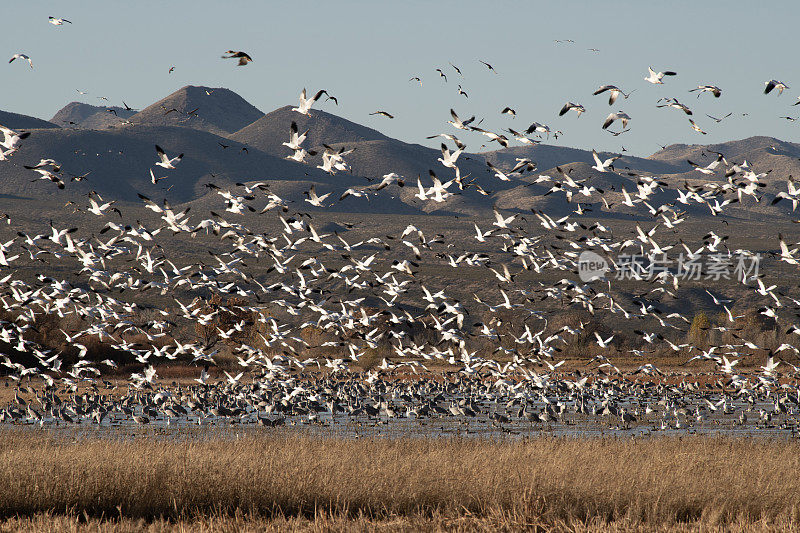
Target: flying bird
711,167
718,120
673,102
21,56
154,179
47,175
383,113
306,103
56,166
243,57
449,159
522,138
55,21
538,128
388,179
695,127
295,138
619,115
774,84
603,166
490,67
11,138
713,89
165,161
313,199
613,93
656,77
570,105
458,123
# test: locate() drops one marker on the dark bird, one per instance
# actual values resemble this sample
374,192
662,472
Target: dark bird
718,120
774,84
243,57
713,89
488,66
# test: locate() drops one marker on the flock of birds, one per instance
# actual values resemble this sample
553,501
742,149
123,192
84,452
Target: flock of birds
369,297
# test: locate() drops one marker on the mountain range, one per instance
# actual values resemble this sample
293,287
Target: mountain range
226,140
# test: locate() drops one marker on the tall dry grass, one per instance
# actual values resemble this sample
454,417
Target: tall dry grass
246,523
541,481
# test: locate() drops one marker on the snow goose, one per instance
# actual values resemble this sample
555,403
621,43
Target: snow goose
656,77
306,103
21,56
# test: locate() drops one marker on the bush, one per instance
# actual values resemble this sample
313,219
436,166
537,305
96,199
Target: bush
699,330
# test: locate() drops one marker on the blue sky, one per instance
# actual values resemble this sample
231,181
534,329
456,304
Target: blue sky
364,52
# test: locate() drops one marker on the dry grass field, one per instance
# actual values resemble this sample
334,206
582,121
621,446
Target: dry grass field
280,481
252,523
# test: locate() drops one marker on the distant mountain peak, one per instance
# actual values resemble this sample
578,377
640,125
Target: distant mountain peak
16,121
91,117
270,131
216,110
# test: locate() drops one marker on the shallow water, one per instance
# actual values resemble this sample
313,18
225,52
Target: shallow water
569,424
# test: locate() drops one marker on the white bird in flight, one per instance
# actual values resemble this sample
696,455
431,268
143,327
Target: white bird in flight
306,103
570,105
603,166
619,115
57,21
458,123
165,161
11,138
613,94
21,56
656,77
295,139
313,199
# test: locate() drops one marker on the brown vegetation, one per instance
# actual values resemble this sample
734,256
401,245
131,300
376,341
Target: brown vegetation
226,315
247,522
243,323
430,482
